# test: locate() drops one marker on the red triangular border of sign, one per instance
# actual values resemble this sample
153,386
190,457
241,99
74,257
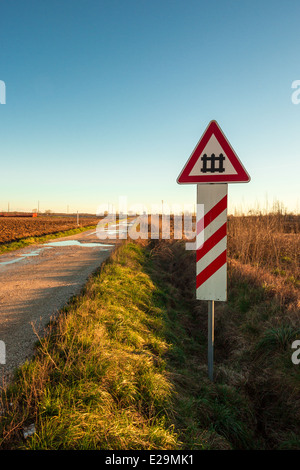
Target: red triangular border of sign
241,177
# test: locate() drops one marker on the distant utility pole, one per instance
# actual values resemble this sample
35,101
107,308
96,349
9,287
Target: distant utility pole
8,207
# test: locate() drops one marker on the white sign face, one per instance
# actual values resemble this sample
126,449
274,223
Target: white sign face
212,160
211,257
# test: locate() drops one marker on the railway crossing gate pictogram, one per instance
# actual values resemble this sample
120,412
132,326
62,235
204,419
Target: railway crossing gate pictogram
213,159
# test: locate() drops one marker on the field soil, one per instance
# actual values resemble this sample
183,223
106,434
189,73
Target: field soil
17,228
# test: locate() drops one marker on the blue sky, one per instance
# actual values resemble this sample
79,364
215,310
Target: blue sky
108,98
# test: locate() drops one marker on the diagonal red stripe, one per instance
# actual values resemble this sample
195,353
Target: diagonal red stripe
212,241
211,269
212,214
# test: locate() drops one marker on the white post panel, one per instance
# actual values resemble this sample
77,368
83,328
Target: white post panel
211,261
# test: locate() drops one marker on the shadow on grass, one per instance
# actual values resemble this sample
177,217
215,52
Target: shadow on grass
254,400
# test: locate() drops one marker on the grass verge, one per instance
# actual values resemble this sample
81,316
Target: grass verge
124,365
98,380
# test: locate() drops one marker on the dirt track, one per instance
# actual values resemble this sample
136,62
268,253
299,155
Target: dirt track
35,282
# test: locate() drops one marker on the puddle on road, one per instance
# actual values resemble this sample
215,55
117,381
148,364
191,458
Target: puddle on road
120,229
11,262
23,256
48,246
78,243
34,253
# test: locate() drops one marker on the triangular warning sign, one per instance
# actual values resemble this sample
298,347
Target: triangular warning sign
213,161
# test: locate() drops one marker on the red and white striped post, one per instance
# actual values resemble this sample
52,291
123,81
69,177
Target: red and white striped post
212,230
211,265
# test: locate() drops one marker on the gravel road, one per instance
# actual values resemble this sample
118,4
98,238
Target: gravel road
37,281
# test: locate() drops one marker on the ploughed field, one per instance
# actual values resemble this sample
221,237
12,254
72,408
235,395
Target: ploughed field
17,228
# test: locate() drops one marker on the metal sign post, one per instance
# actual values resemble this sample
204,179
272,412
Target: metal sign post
211,339
212,165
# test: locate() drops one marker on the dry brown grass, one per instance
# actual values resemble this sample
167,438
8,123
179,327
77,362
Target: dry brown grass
270,243
287,293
